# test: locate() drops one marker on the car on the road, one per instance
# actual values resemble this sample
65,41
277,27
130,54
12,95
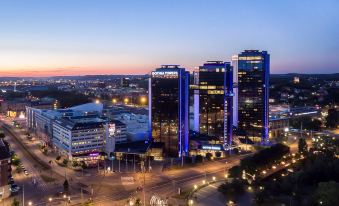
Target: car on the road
26,173
15,187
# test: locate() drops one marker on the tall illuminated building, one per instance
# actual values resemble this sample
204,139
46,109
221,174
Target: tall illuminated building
213,100
168,108
253,91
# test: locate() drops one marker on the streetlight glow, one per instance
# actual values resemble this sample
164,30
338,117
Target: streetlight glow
143,100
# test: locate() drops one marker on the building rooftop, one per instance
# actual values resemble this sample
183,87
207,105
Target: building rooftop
81,123
139,147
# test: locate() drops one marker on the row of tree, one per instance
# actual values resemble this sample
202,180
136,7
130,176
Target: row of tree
260,159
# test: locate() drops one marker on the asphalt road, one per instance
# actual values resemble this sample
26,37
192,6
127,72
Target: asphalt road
108,189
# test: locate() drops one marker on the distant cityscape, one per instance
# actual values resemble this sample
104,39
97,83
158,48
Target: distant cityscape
63,136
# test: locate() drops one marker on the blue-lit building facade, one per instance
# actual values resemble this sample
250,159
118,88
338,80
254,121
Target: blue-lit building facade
253,94
168,109
213,101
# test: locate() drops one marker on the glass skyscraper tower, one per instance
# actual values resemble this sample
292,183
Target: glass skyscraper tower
168,108
253,91
213,100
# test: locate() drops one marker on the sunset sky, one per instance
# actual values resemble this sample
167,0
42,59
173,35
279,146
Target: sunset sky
78,37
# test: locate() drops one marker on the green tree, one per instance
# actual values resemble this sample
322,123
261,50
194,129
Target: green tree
332,119
2,135
233,188
65,162
315,125
302,146
218,154
66,185
75,164
235,171
15,202
327,193
306,123
198,159
209,156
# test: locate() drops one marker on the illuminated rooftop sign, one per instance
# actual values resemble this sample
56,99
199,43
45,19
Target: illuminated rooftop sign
165,74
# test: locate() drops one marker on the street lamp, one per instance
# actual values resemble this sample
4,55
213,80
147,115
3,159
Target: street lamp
50,199
114,101
204,182
195,187
143,100
30,203
126,100
190,202
213,178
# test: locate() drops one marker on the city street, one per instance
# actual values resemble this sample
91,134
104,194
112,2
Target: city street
107,187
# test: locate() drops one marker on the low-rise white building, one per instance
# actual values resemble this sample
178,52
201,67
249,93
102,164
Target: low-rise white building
79,133
79,139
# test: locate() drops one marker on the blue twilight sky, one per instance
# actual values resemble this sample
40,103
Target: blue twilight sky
69,37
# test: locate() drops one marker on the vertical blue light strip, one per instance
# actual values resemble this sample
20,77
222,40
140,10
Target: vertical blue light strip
266,68
229,79
186,146
150,107
180,111
225,105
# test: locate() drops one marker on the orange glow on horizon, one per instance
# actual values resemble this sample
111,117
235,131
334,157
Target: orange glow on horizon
72,71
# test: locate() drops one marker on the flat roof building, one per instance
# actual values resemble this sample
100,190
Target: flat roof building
213,101
253,91
168,109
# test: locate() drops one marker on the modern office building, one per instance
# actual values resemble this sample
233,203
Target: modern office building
168,109
213,101
253,91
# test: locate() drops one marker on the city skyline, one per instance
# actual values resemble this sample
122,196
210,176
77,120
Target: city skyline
82,38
